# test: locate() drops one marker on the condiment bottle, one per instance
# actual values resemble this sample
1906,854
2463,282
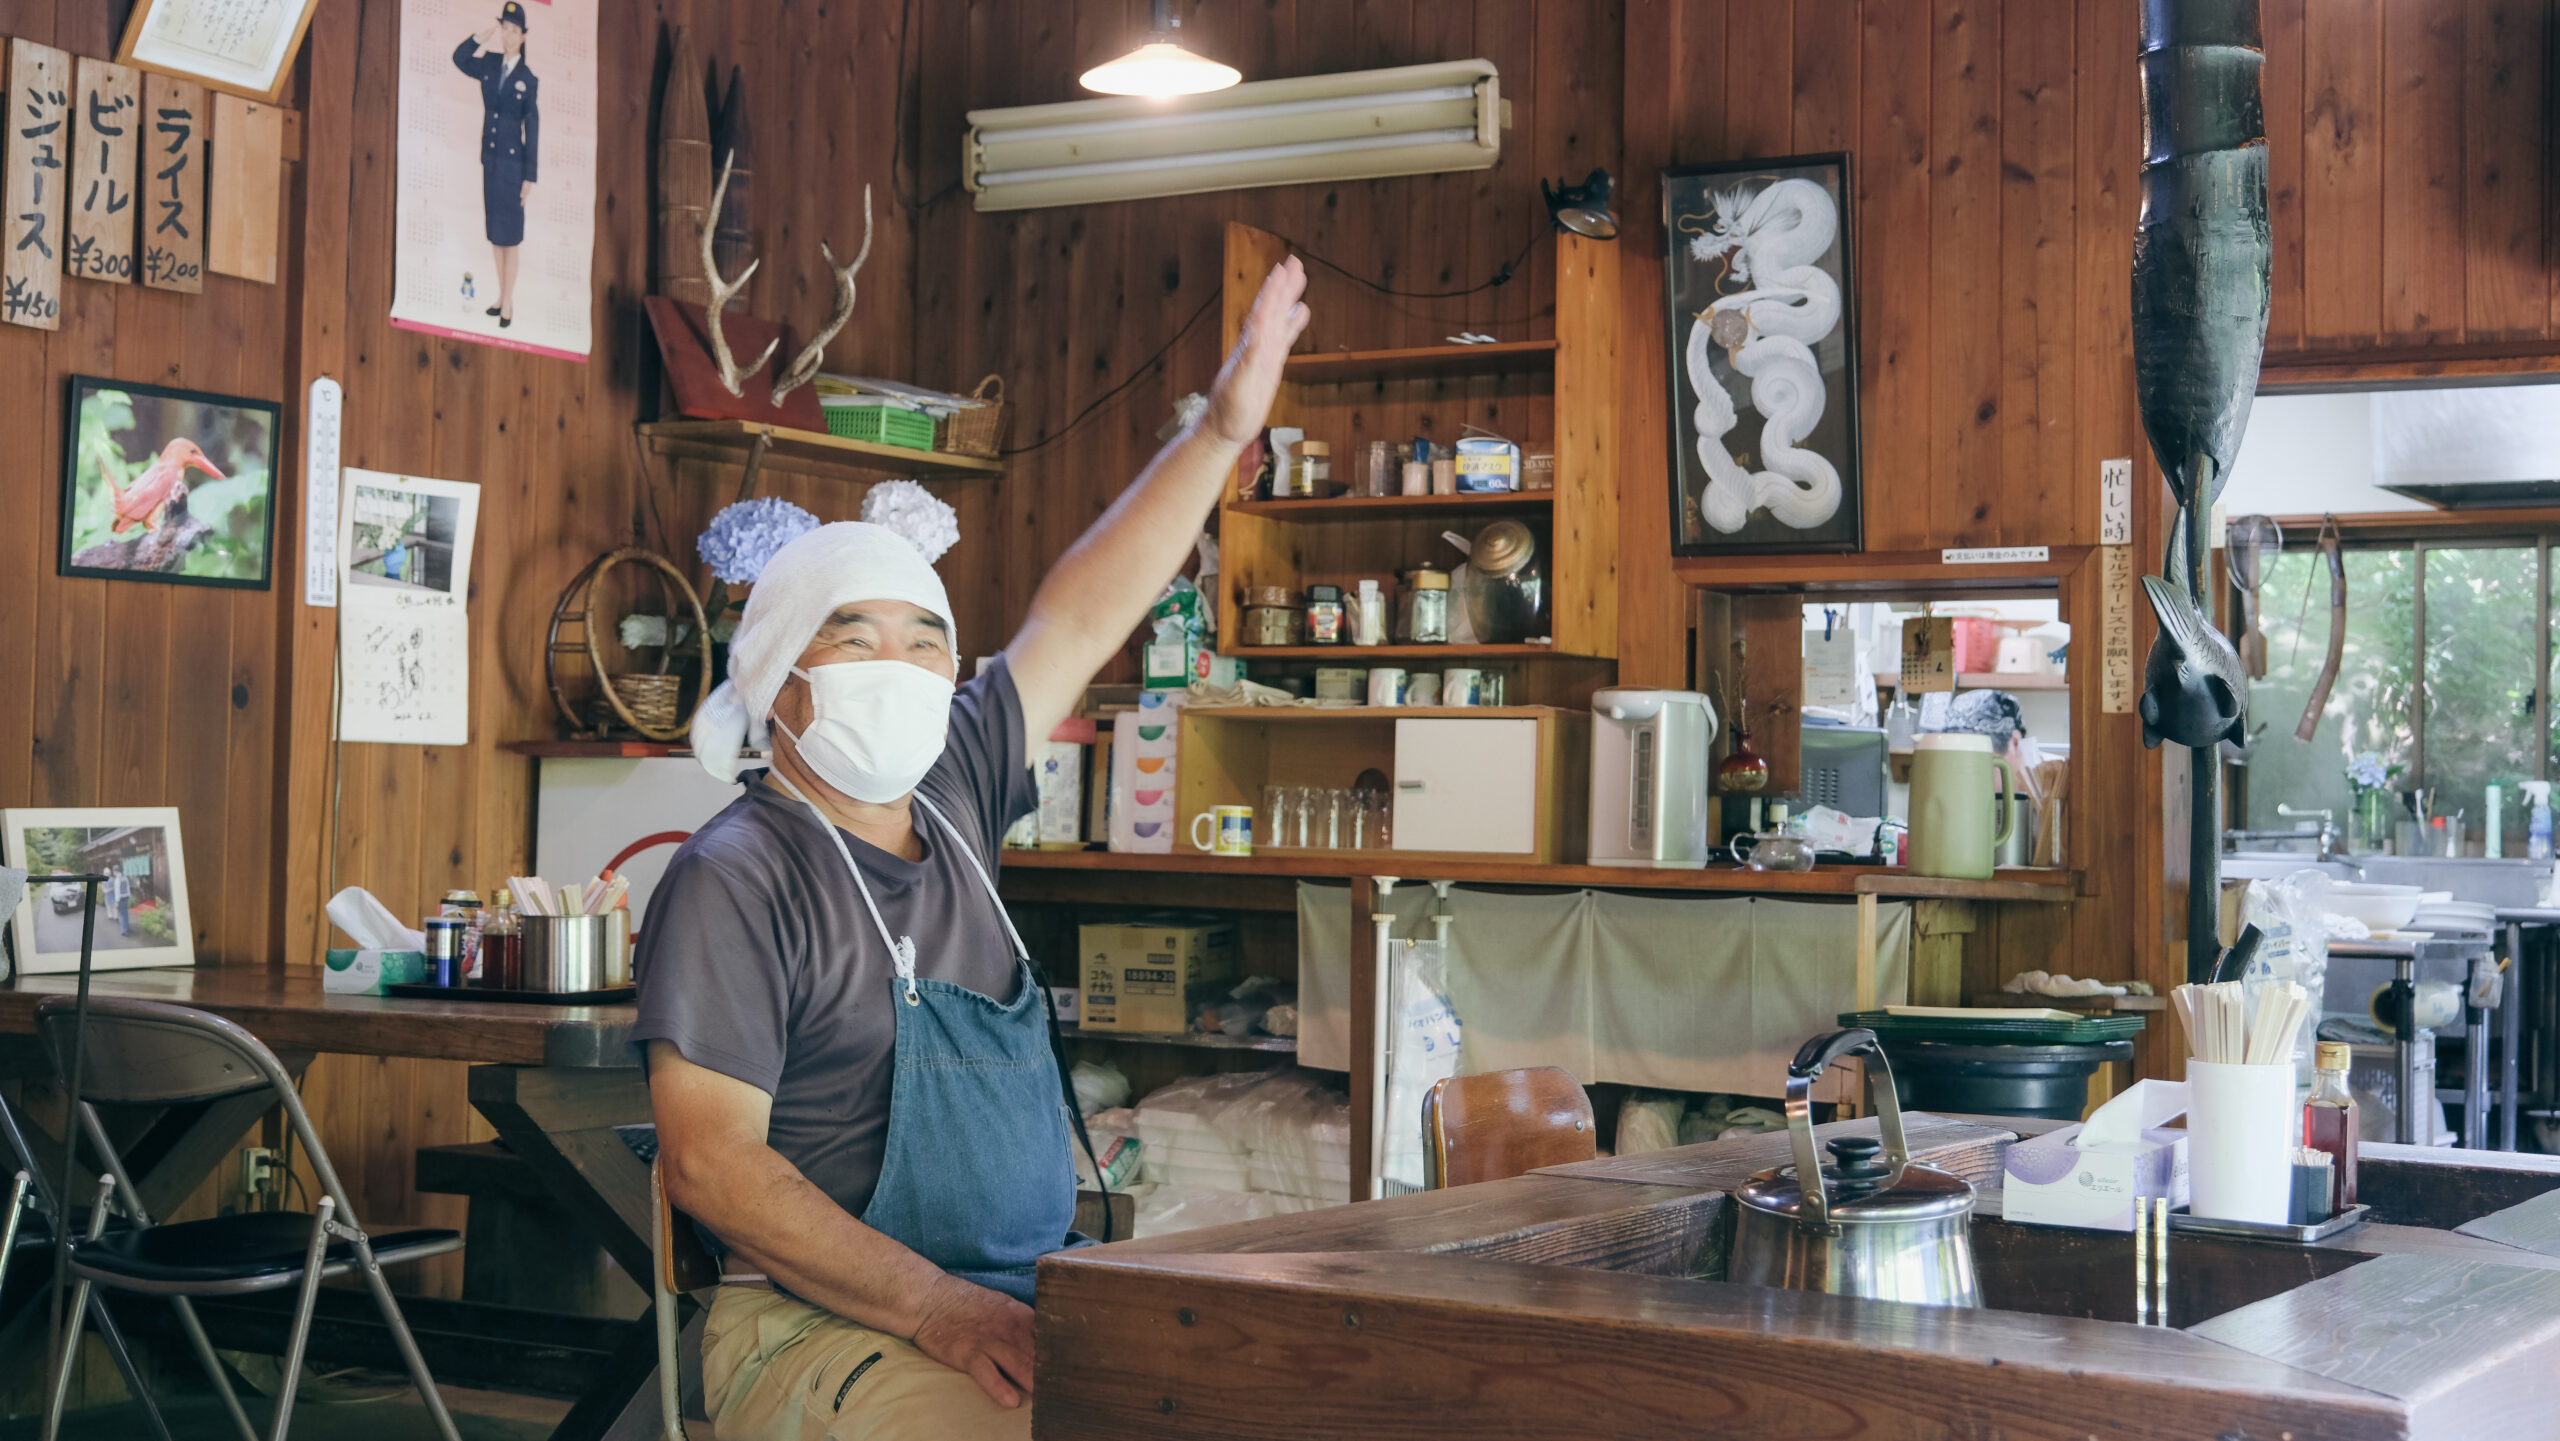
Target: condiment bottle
2330,1123
502,946
1325,613
1310,470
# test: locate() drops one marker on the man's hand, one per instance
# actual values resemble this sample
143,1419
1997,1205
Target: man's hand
1240,400
984,1333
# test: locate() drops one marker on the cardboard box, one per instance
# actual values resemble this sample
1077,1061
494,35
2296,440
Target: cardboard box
1146,975
2089,1175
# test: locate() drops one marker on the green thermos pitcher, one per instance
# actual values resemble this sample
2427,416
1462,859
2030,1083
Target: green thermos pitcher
1953,798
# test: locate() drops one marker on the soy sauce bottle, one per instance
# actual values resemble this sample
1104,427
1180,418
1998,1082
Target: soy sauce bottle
2330,1122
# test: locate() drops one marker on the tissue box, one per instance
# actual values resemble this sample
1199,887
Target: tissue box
2051,1180
365,973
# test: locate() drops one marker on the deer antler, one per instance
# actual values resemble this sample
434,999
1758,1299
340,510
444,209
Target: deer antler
804,367
722,292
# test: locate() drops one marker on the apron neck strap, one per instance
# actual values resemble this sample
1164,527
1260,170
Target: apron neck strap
1020,951
902,949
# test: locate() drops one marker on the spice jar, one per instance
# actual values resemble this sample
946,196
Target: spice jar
1324,615
1310,470
1271,616
1423,609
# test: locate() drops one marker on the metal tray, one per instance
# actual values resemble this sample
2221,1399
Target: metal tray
2345,1220
1992,1031
420,991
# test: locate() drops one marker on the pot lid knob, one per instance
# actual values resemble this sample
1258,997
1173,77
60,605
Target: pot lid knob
1857,1166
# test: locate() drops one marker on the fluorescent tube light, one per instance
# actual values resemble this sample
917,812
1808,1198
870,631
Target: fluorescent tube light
1412,120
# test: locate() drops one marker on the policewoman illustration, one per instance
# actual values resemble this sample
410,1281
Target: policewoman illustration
510,139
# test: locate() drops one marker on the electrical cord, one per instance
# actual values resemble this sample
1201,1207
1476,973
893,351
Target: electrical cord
1503,276
1133,377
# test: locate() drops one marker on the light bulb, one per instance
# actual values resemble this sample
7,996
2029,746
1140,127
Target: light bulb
1158,69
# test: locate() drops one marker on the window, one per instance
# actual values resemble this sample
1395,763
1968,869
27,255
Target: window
2444,675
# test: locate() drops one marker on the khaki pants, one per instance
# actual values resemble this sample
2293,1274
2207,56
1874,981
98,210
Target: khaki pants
776,1369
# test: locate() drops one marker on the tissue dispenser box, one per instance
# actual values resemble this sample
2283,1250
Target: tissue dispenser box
365,973
2054,1180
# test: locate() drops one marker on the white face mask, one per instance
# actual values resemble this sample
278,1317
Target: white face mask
876,726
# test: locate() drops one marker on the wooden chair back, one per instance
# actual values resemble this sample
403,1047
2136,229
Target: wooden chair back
1503,1124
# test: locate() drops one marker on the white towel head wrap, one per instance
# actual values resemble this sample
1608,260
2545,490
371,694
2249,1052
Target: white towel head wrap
807,581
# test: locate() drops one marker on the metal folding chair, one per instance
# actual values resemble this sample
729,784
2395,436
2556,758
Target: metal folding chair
680,1264
151,1053
32,1218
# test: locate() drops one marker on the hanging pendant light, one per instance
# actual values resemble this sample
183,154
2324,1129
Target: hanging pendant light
1160,68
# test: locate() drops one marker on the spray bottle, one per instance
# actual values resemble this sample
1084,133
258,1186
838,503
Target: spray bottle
2537,843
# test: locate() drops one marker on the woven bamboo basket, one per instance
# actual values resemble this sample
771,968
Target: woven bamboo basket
649,699
980,431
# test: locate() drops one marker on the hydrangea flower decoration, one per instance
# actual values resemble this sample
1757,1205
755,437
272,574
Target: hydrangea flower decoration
744,537
2366,772
928,522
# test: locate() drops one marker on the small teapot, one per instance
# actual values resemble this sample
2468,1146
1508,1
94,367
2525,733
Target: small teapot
1773,851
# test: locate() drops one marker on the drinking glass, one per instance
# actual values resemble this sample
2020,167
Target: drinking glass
1276,808
1302,815
1334,812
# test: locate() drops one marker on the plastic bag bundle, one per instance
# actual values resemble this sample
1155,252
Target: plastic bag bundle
2291,914
1099,1087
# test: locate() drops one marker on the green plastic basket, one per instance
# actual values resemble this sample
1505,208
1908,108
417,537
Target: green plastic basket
881,425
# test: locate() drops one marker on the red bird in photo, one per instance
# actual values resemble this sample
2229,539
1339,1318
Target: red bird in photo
140,503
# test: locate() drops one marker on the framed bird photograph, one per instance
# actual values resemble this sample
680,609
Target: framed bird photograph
1758,299
168,485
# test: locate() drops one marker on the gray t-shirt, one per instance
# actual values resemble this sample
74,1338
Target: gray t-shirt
757,959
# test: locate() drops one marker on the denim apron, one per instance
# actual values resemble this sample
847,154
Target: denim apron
976,1175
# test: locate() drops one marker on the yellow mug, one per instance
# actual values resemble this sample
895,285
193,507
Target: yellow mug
1230,831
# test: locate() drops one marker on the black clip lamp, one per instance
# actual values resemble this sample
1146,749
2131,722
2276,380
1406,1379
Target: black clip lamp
1583,209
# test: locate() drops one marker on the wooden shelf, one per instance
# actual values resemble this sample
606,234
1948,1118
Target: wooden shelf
730,440
602,750
1361,654
1363,507
1202,1040
1319,713
1995,680
1505,357
2009,885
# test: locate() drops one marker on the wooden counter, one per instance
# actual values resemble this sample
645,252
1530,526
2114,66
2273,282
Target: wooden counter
1583,1301
287,1009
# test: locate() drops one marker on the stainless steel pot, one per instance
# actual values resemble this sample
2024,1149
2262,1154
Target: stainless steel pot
577,953
1881,1227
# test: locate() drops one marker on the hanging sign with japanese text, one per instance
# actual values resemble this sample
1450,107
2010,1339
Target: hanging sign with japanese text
106,107
173,126
38,152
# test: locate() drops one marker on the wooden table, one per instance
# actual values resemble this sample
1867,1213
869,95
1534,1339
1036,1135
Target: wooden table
1584,1301
554,1080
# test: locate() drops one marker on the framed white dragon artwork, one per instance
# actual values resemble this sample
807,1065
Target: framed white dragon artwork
1763,345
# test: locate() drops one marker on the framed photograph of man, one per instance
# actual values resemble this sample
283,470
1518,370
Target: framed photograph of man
142,917
168,485
1762,327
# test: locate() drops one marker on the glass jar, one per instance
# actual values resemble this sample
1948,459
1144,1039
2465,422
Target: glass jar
1272,617
1310,470
1423,611
1325,614
1381,474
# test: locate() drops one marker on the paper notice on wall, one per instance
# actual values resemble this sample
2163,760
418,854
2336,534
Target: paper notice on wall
2115,670
1831,663
404,631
